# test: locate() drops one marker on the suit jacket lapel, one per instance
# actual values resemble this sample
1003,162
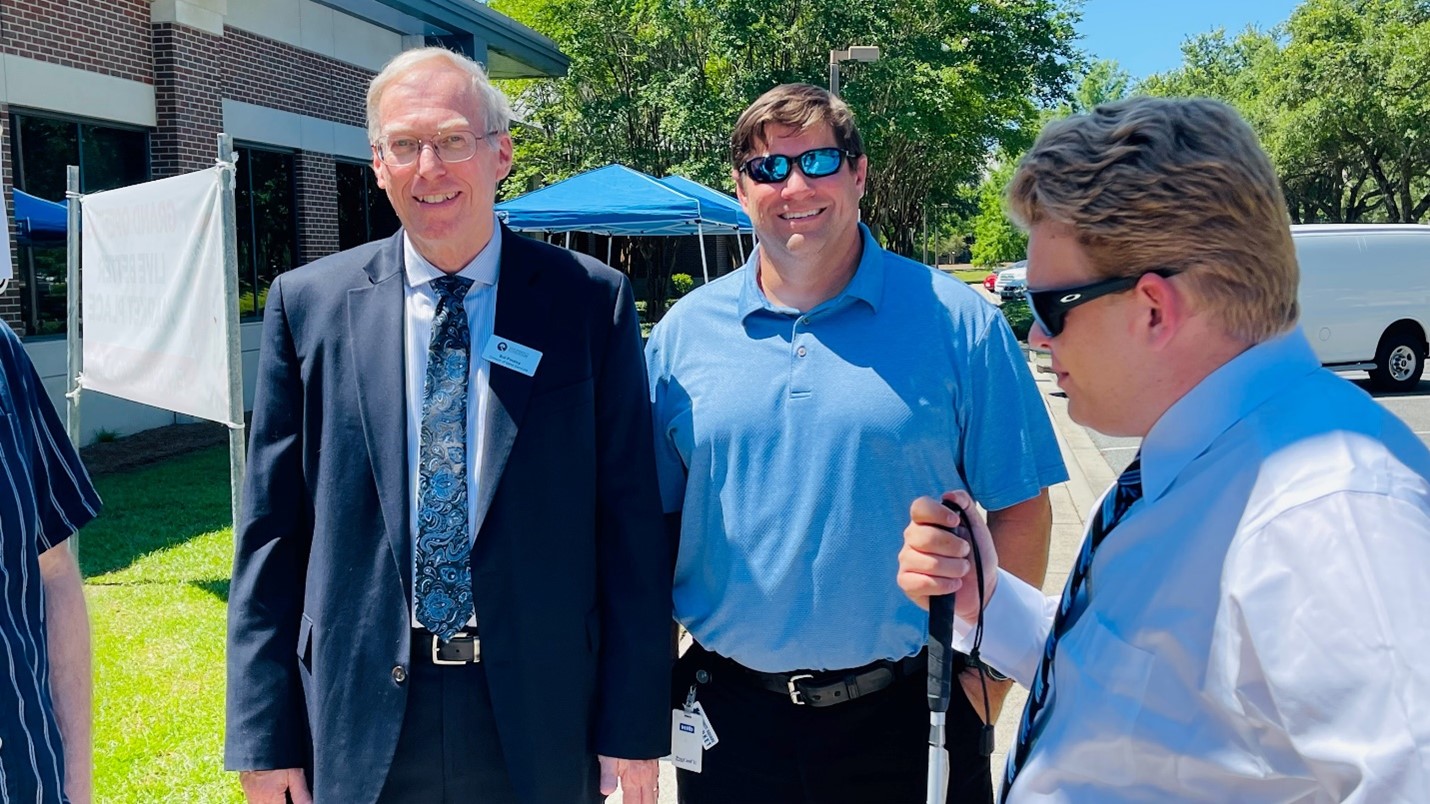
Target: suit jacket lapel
375,338
522,302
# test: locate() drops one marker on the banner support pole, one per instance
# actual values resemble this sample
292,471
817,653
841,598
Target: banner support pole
237,443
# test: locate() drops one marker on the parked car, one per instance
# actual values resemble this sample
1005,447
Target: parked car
989,280
1012,281
1354,323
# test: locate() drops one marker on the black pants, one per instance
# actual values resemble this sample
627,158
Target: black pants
872,749
448,750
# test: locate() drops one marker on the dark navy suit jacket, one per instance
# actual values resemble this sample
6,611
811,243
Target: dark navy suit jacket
571,570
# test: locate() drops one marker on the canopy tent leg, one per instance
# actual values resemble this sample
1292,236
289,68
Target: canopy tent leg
700,232
609,240
740,245
568,239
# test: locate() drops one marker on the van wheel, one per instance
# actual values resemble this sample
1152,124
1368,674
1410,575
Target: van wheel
1399,361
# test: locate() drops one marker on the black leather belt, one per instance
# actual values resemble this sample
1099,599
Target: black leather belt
819,688
465,647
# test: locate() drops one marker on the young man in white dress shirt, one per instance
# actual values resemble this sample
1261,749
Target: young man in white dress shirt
1244,623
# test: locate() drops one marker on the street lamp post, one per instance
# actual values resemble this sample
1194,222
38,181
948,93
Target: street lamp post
851,53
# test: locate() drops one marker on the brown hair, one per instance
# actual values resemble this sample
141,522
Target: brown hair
1170,183
796,106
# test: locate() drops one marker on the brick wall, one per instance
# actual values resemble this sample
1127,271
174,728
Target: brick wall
277,75
317,183
101,36
189,108
192,73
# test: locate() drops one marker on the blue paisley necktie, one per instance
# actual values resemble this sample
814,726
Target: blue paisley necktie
443,586
1114,506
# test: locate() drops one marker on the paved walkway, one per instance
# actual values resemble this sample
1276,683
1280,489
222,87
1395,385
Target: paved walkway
1089,475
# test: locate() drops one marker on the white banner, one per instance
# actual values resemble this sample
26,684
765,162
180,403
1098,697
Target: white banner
155,321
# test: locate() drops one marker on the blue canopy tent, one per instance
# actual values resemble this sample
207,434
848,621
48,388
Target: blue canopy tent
616,200
715,204
38,220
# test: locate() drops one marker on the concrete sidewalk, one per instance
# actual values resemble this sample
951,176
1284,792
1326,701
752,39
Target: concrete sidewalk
1088,476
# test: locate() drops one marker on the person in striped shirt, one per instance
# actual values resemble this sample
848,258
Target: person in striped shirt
45,496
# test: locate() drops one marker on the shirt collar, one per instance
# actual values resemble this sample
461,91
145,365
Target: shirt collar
482,270
867,284
1223,398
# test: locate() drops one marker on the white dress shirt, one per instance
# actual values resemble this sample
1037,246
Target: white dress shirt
1255,628
420,305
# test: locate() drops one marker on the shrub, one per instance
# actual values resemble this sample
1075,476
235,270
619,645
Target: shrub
681,284
1019,316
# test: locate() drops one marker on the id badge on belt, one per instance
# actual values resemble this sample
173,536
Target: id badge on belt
690,734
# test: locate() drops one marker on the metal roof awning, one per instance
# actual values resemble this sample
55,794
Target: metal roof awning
512,49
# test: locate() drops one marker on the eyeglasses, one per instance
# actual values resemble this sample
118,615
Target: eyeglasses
815,163
450,146
1051,307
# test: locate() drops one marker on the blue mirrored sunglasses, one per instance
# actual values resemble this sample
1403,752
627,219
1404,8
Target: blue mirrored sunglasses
814,163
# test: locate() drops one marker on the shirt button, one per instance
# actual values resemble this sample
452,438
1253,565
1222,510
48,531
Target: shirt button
801,351
399,674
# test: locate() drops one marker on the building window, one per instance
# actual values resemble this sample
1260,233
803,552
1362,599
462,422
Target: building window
364,213
266,208
108,156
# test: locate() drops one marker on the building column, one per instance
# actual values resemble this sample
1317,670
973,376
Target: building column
316,177
10,299
188,79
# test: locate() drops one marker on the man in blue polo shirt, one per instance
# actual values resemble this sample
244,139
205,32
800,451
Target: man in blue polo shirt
45,496
799,403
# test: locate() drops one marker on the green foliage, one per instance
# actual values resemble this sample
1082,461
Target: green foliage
156,564
105,436
1338,95
246,304
995,239
1020,317
681,284
657,85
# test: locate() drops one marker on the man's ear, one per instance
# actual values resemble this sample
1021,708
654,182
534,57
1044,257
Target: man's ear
378,168
1164,308
736,176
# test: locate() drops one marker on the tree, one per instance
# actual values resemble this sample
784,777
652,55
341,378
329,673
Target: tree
1356,84
1340,96
995,239
657,85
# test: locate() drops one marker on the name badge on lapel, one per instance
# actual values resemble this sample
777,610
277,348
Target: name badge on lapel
510,354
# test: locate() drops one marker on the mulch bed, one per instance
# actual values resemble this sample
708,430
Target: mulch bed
151,446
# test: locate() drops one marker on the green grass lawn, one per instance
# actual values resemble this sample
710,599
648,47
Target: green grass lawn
970,275
156,565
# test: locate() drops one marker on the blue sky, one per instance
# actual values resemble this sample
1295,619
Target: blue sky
1145,36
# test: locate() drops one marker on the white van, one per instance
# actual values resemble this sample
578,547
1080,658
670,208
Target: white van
1365,298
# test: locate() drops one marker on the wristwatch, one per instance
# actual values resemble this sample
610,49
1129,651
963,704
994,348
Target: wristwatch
971,662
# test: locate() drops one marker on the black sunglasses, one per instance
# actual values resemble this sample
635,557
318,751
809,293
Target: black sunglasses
1051,307
814,163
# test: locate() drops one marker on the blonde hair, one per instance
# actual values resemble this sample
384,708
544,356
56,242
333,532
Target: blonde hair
1170,183
496,110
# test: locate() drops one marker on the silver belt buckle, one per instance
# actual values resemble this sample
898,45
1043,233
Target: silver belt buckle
794,695
476,650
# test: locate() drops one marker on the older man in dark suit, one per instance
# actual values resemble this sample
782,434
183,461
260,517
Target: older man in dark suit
451,582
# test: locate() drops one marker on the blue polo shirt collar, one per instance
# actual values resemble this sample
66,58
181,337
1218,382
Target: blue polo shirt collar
867,285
